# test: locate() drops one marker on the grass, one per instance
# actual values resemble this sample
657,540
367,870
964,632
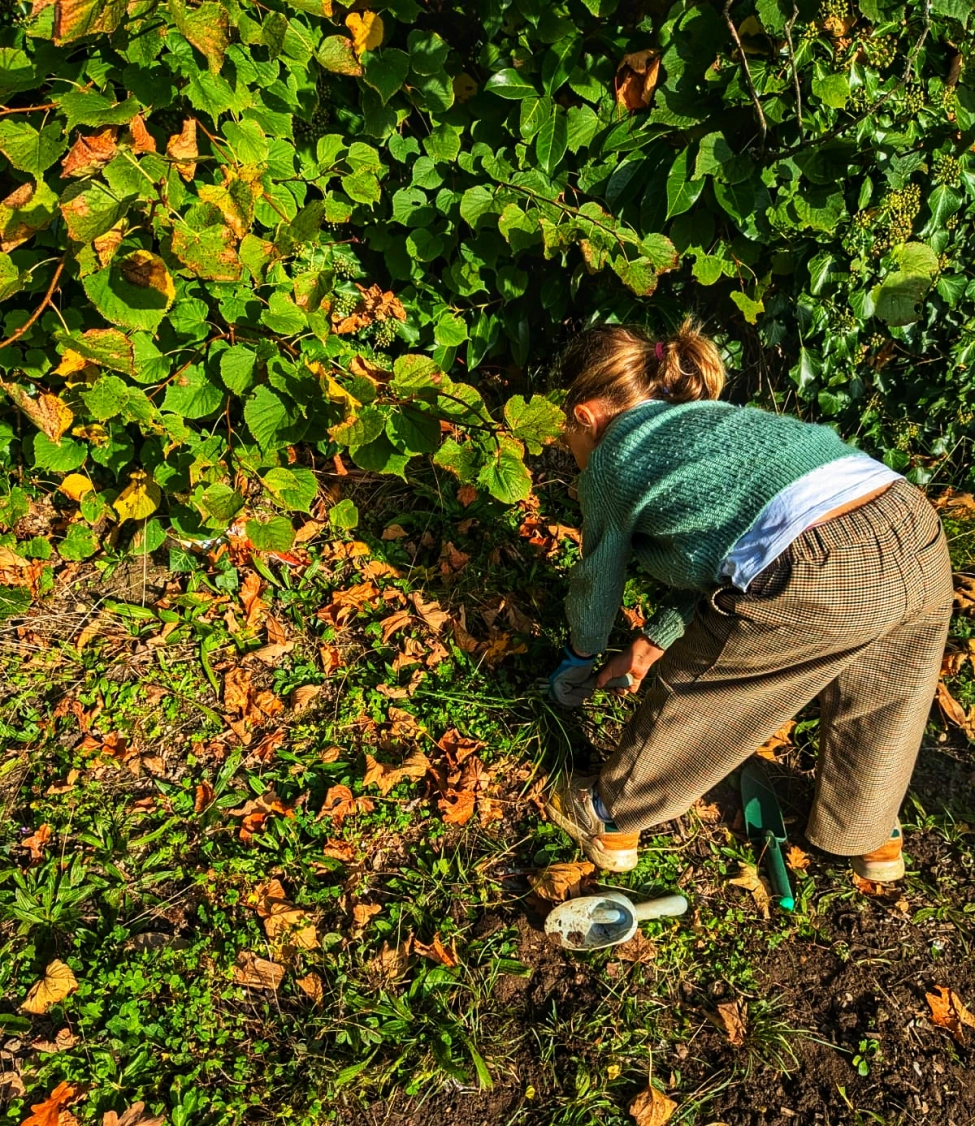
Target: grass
120,735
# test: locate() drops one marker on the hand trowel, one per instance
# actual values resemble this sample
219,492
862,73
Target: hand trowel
593,922
766,830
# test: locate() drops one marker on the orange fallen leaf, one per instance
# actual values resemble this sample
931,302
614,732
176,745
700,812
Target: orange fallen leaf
652,1108
285,924
437,952
951,710
339,804
386,776
363,912
255,813
64,1040
373,305
339,850
49,1112
457,806
395,622
871,887
303,696
392,961
250,596
731,1017
204,797
394,532
558,882
430,612
37,842
56,984
457,747
312,987
948,1011
797,860
466,495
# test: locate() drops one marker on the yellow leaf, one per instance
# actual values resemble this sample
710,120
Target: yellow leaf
140,498
58,981
75,485
71,362
464,87
367,31
749,879
651,1108
49,414
146,270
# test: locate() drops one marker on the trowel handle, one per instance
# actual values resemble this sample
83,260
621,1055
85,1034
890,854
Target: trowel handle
778,873
658,908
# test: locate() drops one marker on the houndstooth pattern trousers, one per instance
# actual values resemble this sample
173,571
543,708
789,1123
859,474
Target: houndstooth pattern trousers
854,612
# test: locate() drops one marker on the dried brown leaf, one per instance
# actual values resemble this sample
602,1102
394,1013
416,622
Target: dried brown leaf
56,984
948,1011
437,952
363,912
732,1015
430,612
89,154
636,79
797,860
254,972
304,696
134,1116
255,813
652,1108
183,149
392,961
749,879
386,776
339,804
558,882
312,987
37,842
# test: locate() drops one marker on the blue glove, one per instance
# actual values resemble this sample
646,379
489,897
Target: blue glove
574,681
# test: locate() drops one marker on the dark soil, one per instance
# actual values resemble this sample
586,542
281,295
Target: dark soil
856,986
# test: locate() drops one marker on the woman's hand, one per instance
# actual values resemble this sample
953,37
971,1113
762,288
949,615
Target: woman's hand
636,660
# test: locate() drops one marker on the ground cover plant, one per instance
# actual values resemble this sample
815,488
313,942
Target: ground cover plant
283,539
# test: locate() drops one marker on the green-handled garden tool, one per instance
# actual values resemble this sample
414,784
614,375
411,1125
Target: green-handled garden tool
766,830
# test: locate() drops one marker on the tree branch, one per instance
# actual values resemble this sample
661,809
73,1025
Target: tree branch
763,125
25,327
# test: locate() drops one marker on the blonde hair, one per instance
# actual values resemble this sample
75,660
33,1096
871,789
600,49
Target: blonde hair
626,366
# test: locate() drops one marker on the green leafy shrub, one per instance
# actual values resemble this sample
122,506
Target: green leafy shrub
232,233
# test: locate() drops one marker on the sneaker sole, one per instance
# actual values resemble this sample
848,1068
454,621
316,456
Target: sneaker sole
610,860
881,872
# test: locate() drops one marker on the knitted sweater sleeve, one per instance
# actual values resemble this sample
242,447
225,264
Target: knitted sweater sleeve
670,620
596,582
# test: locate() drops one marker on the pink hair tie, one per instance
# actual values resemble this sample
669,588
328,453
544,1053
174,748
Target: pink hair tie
659,350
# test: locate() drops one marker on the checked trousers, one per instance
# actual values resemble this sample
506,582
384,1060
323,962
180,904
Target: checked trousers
855,612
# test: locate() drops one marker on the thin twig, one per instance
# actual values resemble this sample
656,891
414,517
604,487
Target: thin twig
25,327
28,109
792,64
763,125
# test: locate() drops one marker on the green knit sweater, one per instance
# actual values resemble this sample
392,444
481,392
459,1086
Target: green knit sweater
676,486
